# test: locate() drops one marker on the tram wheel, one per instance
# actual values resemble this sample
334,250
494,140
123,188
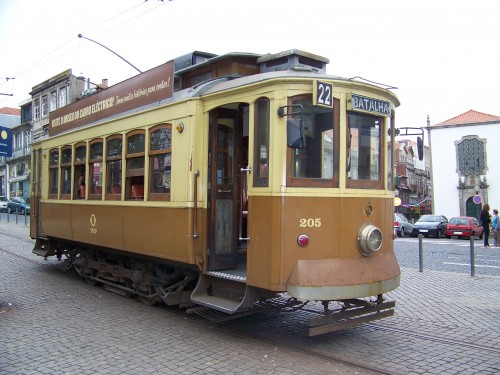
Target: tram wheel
90,281
148,301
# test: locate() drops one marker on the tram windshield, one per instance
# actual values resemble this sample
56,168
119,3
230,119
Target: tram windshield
317,161
364,159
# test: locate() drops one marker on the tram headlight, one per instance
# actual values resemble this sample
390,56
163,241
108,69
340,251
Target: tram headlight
369,239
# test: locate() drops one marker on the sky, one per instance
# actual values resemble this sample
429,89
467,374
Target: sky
442,55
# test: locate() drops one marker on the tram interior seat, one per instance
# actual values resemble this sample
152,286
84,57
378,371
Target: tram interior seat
116,189
81,192
137,192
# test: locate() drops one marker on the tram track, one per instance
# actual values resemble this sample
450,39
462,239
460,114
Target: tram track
408,333
249,335
351,358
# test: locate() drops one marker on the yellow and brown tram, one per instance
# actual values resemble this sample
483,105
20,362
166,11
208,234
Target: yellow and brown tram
223,183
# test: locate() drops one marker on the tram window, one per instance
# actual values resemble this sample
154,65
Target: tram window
79,177
114,167
95,169
364,168
316,164
261,143
160,157
135,165
53,173
66,172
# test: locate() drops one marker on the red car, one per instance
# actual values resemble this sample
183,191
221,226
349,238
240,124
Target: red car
464,227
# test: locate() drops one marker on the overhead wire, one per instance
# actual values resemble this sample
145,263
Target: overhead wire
50,56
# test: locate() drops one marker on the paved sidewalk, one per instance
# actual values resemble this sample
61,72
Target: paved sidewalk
56,326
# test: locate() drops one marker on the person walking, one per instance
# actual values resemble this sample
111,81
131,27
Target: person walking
485,222
494,230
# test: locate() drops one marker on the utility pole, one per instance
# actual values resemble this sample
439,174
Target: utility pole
430,163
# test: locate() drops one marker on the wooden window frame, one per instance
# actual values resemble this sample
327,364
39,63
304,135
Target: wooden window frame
317,182
90,164
134,173
368,184
64,165
107,159
53,167
77,166
155,196
261,174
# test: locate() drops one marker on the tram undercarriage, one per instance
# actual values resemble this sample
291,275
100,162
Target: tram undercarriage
172,284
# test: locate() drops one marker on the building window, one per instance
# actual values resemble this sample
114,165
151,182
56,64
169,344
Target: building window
62,96
95,169
261,143
45,106
316,163
27,141
19,141
471,156
53,173
160,162
135,165
53,101
364,158
36,110
114,167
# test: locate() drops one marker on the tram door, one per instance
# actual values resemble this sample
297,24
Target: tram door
228,146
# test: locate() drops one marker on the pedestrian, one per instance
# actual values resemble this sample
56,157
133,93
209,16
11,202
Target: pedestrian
494,230
485,222
497,230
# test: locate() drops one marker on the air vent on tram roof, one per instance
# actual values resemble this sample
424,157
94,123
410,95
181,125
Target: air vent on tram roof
292,59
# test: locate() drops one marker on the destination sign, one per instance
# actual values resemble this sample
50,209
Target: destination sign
366,104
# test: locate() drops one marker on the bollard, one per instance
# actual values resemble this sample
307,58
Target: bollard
17,222
420,254
472,257
8,216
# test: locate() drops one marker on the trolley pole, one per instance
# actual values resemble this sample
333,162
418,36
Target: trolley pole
472,257
420,254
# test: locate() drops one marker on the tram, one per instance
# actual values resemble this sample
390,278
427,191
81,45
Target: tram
226,184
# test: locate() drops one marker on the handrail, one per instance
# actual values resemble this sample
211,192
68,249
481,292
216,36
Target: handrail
195,204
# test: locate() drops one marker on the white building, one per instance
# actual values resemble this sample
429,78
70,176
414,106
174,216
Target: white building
465,164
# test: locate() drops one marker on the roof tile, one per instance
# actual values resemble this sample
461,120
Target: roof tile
470,117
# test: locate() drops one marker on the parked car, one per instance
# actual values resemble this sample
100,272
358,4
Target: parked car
3,204
19,205
401,225
464,227
430,225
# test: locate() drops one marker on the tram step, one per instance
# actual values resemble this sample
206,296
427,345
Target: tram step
43,248
228,296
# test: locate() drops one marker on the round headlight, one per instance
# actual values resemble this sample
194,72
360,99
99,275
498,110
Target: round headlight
369,239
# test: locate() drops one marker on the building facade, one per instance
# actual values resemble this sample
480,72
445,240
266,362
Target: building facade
56,92
464,155
412,179
9,118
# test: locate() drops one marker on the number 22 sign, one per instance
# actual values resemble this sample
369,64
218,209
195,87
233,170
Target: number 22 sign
323,94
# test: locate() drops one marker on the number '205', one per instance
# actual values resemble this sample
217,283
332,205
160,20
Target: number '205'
310,223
